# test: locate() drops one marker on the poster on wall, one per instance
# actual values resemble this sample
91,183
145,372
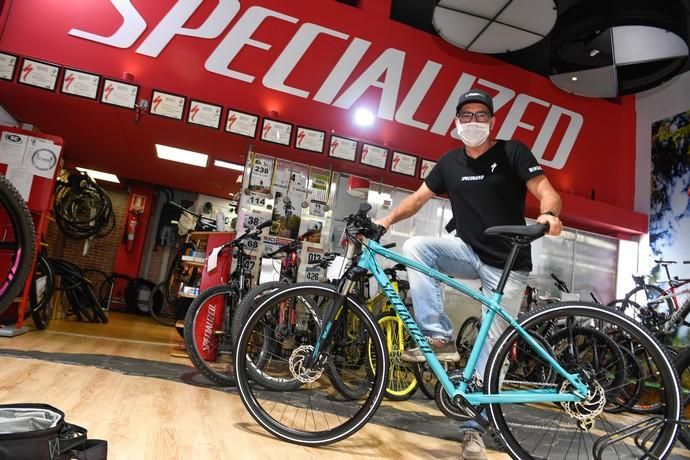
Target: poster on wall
373,155
343,148
167,105
119,93
311,140
8,63
241,123
405,164
204,114
426,168
262,174
669,219
39,74
78,83
319,185
276,131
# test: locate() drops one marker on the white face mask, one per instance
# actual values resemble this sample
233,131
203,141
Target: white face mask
473,134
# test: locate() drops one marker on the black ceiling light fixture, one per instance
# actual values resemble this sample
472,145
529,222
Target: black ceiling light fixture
616,47
494,26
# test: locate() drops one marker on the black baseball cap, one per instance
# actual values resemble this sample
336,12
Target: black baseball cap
476,95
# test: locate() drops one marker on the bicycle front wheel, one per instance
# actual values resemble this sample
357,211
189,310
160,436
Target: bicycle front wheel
314,413
402,382
573,430
207,335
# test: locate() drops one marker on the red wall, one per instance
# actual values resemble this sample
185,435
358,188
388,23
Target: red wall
600,162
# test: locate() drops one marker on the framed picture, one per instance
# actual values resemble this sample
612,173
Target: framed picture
167,105
119,93
342,147
312,140
78,83
403,163
426,168
241,123
39,74
276,131
8,64
373,155
204,114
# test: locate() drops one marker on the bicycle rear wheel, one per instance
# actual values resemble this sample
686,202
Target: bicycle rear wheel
42,287
314,413
581,429
683,368
17,243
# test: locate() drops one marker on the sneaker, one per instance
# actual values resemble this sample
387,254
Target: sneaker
444,350
473,446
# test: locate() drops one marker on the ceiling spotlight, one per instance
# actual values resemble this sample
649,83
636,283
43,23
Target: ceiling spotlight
593,52
573,78
364,117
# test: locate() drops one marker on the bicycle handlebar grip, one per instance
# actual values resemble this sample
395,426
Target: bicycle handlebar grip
364,208
389,245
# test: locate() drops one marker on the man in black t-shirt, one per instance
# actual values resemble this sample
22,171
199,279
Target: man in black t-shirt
486,182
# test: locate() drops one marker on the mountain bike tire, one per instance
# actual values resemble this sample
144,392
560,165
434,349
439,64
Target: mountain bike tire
532,430
42,287
18,243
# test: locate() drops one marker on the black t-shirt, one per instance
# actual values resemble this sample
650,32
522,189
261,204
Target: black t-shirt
487,191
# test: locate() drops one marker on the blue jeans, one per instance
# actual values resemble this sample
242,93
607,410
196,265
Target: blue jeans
455,258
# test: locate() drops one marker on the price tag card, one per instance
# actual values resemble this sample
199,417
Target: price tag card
204,114
167,105
241,123
78,83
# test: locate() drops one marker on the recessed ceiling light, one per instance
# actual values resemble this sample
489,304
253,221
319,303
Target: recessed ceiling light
189,157
225,164
100,175
364,117
573,78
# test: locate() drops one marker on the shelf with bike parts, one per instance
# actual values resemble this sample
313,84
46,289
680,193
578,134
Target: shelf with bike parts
30,161
195,275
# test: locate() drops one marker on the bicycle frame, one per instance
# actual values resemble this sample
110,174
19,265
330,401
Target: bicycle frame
368,262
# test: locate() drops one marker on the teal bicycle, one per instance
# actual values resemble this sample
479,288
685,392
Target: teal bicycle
551,405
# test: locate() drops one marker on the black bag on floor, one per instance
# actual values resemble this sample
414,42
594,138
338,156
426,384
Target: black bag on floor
40,432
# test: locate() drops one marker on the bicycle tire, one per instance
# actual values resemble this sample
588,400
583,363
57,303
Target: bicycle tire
40,304
402,382
631,390
467,334
426,379
159,308
683,368
526,422
214,358
649,293
338,417
18,250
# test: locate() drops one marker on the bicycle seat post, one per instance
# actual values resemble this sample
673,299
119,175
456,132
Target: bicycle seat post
508,267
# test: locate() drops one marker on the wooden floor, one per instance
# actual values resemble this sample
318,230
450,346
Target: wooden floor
150,418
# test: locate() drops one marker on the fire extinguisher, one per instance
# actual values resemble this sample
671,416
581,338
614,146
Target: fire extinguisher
131,230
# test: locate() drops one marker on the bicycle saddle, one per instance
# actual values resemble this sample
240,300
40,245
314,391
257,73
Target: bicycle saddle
518,233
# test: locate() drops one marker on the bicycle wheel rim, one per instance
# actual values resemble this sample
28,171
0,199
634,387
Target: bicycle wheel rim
402,381
540,432
316,414
17,243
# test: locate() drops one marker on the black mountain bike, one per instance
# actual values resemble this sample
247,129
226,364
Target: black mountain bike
207,327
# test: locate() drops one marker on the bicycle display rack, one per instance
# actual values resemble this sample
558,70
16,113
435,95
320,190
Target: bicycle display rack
641,433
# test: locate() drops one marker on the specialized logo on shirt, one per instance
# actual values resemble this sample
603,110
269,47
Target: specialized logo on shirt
471,178
535,168
493,166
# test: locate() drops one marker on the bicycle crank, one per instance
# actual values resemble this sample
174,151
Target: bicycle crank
296,364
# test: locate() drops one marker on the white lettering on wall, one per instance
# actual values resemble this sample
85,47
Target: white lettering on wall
133,25
415,96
